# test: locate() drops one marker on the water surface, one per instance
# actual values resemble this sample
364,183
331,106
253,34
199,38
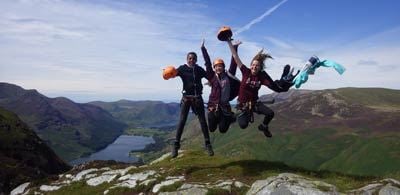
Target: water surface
118,150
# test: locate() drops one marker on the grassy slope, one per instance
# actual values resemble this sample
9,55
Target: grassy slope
357,150
372,97
316,150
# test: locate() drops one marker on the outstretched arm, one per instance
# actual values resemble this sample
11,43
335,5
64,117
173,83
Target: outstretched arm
273,85
232,67
235,54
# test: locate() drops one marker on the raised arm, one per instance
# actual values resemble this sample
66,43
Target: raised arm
235,54
233,65
207,61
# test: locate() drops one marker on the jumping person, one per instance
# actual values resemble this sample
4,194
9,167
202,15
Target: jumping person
252,79
191,75
224,88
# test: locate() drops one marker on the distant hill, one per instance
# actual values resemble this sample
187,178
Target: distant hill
139,114
349,130
69,128
23,155
279,97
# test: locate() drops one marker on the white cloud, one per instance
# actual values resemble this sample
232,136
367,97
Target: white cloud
370,61
112,50
279,43
107,48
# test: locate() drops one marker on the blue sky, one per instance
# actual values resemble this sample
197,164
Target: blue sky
111,50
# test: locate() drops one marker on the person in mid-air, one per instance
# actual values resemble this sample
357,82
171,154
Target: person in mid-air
224,88
191,75
252,79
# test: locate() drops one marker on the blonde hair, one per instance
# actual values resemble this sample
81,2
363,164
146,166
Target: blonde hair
261,57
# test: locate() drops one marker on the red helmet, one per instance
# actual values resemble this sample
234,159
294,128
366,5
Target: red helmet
169,72
218,61
224,33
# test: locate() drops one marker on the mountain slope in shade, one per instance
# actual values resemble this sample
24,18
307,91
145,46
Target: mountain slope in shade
142,113
349,130
23,155
71,129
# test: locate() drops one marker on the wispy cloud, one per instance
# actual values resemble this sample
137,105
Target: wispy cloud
110,50
367,63
29,29
279,43
79,45
260,18
371,61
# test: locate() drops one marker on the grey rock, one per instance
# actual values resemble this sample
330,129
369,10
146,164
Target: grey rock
169,181
191,191
382,187
287,183
100,179
389,190
20,189
47,188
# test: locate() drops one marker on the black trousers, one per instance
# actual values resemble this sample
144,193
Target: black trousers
219,119
245,116
197,106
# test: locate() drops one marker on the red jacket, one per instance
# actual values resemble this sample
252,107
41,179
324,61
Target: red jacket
234,83
250,85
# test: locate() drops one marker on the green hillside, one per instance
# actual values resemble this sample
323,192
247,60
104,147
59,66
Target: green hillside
372,97
70,129
142,114
23,155
321,130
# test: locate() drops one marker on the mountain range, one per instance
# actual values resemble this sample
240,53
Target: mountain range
349,130
70,129
142,114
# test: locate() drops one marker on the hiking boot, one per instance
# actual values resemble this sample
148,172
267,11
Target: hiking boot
209,150
264,129
233,118
212,129
175,149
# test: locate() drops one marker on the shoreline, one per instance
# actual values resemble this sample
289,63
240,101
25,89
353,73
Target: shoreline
133,158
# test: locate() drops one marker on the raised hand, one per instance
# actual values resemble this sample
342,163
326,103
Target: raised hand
202,42
237,43
287,74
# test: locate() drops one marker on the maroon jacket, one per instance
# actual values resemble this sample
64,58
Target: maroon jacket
234,83
250,85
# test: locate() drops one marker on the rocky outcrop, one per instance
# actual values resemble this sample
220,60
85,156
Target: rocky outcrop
154,180
288,183
385,186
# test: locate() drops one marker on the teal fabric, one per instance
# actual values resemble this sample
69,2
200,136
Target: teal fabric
302,77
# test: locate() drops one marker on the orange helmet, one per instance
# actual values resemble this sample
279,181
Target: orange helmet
224,33
169,72
218,61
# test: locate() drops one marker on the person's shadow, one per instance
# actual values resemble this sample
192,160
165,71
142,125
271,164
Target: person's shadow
250,168
258,168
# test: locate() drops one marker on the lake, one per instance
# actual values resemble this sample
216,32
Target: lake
118,150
